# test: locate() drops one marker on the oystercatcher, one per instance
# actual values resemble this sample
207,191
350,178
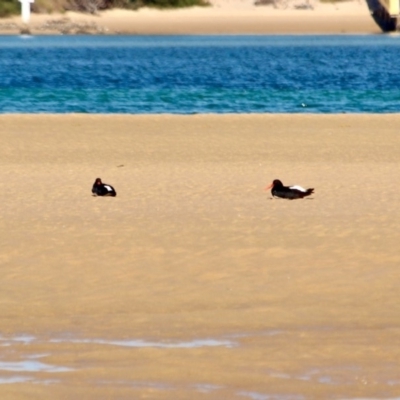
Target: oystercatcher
102,189
288,192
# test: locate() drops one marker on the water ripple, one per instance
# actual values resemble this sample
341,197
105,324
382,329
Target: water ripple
200,74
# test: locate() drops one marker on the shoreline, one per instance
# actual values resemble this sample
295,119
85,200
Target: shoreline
224,17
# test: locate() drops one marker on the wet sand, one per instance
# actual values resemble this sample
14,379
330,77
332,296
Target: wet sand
193,282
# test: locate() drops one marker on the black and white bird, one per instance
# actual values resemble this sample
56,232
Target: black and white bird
288,192
102,189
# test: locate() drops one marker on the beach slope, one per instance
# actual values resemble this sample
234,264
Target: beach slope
222,17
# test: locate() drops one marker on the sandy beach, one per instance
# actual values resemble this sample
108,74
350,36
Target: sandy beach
193,283
223,17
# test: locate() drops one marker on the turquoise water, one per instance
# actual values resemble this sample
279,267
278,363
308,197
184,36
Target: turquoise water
200,74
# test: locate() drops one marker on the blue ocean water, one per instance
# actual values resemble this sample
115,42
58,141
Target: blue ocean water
200,74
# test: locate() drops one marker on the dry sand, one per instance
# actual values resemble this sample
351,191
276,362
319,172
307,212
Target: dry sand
223,17
233,294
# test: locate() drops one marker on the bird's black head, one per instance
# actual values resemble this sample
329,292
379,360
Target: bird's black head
98,181
277,183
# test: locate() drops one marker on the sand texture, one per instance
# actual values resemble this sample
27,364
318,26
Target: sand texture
193,283
223,17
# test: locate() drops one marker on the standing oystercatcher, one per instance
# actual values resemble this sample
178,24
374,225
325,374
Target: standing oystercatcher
103,189
288,192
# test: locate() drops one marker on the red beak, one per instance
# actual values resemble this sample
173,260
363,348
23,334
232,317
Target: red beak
269,186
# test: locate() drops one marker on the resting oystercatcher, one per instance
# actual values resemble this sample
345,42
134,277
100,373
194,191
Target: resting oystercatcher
288,192
102,189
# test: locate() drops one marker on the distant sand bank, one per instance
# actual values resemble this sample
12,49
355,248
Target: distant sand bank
192,283
224,17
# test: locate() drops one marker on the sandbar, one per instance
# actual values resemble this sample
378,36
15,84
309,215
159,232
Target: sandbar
193,282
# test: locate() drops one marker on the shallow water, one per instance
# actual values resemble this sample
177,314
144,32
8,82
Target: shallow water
143,343
261,396
167,344
200,74
30,366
